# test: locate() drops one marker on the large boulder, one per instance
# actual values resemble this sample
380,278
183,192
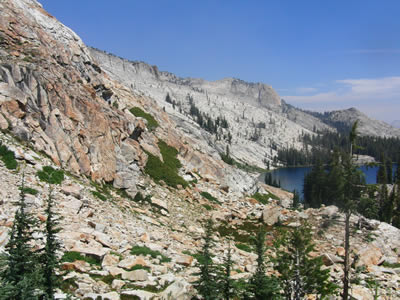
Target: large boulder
271,214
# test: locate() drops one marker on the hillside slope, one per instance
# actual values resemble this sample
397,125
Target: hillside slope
259,121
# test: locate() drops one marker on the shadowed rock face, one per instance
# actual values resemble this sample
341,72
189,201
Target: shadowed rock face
53,95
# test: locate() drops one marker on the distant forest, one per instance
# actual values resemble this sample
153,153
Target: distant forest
319,148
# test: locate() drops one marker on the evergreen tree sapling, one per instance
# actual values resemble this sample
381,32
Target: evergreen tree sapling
296,199
262,286
226,283
49,258
299,273
206,285
19,275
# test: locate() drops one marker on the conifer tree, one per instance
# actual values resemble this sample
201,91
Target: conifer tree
20,272
296,199
299,273
381,176
389,171
353,184
49,258
225,282
261,286
207,285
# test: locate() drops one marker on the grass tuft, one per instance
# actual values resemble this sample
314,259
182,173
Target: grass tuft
167,170
143,250
151,122
8,157
50,175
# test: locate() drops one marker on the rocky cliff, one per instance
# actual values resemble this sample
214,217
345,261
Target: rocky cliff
55,96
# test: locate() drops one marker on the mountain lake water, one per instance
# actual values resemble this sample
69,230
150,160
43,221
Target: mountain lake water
292,178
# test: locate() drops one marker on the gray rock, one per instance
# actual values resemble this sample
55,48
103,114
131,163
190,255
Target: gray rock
136,275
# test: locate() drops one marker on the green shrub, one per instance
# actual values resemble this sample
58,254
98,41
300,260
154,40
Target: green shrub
72,256
143,250
263,198
209,197
151,122
138,197
139,267
244,247
8,157
99,195
389,265
28,190
208,207
50,175
167,170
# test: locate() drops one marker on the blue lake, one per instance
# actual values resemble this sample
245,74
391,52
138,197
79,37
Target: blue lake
293,178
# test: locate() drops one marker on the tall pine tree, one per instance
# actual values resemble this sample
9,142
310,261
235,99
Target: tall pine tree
207,285
20,272
301,274
49,258
262,286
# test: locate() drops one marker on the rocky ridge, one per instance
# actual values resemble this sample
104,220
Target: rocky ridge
259,121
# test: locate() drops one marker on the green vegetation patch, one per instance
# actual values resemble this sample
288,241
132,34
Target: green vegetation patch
8,157
28,190
143,250
263,198
50,175
151,122
99,195
207,207
244,247
389,265
241,233
210,197
72,256
167,170
139,267
102,191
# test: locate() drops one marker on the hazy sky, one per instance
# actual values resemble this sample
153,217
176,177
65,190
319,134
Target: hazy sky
320,55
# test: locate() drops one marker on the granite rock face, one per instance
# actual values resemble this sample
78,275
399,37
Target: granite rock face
54,96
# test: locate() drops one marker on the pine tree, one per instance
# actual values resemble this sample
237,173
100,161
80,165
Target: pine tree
381,175
353,185
206,285
226,284
261,286
20,274
299,273
296,199
49,258
389,171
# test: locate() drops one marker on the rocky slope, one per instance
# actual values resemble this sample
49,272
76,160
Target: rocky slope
59,107
367,125
169,224
54,96
259,121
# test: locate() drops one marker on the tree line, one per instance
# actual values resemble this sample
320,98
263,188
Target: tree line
326,185
319,148
299,273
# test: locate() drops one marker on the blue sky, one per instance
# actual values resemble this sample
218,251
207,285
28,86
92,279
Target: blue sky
320,55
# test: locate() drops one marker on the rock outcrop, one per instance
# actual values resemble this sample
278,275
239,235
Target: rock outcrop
54,96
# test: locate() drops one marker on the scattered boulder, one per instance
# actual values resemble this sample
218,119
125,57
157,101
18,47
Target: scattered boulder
271,214
136,275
